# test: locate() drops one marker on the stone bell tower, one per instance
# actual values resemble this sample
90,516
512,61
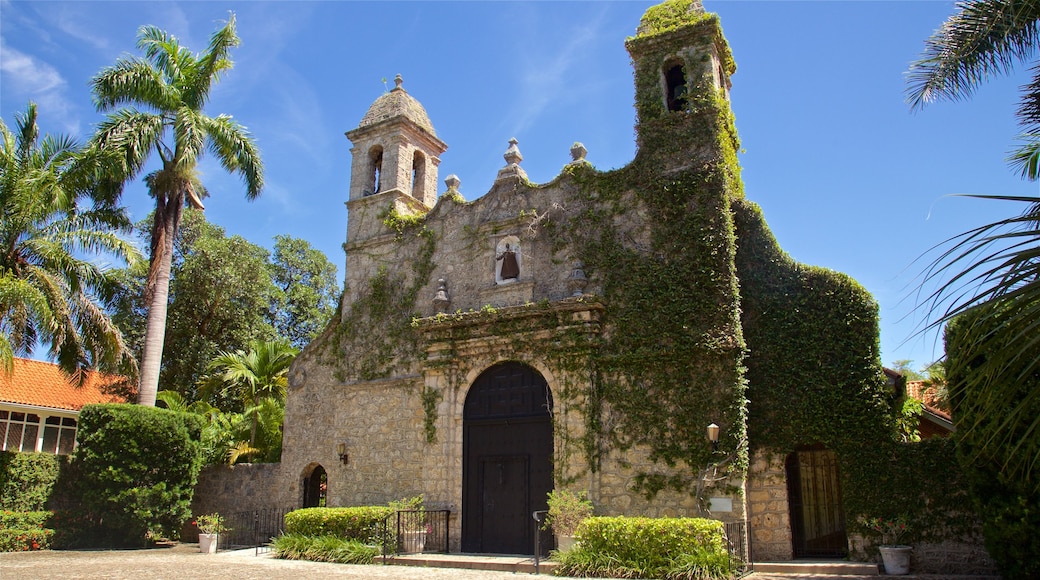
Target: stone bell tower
682,74
395,157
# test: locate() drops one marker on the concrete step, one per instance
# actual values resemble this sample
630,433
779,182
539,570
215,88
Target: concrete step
515,564
818,568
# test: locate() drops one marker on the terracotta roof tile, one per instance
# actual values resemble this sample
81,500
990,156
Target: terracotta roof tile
44,385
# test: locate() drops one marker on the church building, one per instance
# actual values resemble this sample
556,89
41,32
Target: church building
584,333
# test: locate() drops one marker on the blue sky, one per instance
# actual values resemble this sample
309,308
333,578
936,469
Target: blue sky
848,178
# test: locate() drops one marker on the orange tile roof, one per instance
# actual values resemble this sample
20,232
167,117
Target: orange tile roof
42,384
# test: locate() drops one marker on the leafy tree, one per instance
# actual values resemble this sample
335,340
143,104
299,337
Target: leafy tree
903,367
220,294
254,376
308,290
51,289
172,85
991,272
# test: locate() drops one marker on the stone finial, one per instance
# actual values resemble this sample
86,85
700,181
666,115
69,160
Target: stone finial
577,281
578,151
441,301
453,182
398,81
512,155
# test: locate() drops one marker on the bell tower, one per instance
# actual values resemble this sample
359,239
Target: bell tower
395,155
682,75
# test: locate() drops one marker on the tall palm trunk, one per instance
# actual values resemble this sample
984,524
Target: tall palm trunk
157,293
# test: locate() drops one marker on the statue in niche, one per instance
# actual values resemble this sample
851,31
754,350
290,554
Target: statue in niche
508,260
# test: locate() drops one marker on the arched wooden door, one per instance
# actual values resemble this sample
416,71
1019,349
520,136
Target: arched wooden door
507,459
814,500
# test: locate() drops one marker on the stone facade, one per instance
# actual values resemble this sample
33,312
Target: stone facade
441,294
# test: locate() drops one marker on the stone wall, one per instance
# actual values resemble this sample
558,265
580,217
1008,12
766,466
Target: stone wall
768,515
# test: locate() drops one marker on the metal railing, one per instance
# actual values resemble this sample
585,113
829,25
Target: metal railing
253,529
739,545
416,532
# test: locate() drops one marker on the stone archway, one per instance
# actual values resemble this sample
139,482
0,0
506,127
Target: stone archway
507,459
315,486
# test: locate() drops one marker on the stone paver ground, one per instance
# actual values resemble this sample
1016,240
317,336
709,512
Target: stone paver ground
183,561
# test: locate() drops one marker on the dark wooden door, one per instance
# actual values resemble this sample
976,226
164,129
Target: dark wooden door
814,500
507,460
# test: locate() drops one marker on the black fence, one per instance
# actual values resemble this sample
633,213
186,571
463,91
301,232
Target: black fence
739,545
253,529
416,532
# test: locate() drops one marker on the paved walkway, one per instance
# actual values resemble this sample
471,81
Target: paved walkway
184,561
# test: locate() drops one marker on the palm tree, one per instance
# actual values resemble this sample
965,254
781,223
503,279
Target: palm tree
985,38
51,291
254,376
171,86
990,274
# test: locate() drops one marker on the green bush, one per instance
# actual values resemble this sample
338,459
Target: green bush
362,524
23,531
671,548
324,548
27,479
138,469
1008,503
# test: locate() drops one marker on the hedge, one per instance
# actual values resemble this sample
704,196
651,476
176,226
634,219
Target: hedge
354,523
649,548
27,480
24,531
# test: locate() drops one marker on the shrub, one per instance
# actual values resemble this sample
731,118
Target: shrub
139,466
362,524
27,479
23,531
566,511
324,548
672,548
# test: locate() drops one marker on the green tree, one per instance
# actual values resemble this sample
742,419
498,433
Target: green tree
993,271
52,290
254,376
171,85
308,290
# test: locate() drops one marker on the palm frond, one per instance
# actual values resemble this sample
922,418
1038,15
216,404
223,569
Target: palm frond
984,38
234,147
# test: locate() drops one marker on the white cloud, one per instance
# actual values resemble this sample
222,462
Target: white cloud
36,80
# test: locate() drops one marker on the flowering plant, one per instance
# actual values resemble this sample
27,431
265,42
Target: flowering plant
889,530
211,524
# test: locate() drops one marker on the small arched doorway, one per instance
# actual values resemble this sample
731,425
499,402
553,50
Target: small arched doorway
814,501
507,459
315,486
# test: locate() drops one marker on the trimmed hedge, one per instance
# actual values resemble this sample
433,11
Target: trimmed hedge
138,469
353,523
27,480
648,548
24,531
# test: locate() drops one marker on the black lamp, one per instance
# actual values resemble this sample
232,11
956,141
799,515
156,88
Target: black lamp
713,436
341,449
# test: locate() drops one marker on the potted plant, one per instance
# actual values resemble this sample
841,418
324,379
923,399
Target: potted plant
411,519
895,556
566,512
210,527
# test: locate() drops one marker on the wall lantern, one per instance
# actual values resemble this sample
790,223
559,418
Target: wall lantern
341,450
713,436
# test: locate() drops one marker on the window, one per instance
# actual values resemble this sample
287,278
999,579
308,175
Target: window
18,431
59,435
675,82
418,176
375,167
